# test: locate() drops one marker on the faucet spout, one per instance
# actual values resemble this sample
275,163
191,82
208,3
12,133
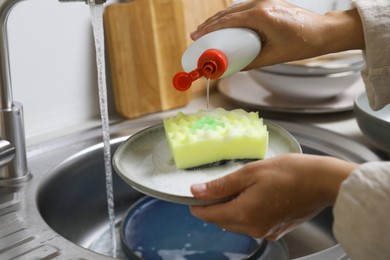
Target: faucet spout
5,78
15,169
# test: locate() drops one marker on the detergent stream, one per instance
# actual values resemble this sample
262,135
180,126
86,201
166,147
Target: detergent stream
97,24
208,93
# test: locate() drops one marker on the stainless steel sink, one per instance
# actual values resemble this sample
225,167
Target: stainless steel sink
62,212
72,199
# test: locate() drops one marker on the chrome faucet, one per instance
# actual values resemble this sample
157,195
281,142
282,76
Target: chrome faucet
13,158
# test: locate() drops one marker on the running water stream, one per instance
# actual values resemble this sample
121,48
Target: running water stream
98,31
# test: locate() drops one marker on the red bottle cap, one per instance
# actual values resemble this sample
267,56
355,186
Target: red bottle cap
212,64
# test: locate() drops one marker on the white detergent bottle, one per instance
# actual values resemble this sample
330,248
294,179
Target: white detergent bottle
218,54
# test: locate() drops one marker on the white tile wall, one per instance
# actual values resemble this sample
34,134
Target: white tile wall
53,65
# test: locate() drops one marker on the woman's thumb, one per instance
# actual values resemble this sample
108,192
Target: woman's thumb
224,187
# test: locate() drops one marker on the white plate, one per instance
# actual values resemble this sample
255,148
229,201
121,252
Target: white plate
346,61
145,162
240,88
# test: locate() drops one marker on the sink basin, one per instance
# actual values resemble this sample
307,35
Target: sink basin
72,201
71,198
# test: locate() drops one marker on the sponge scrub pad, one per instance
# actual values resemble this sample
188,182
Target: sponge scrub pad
215,135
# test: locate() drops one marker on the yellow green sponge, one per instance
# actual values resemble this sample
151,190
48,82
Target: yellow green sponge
215,135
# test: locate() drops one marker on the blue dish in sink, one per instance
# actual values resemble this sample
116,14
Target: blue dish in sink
157,229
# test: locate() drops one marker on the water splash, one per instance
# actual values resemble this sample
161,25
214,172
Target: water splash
98,31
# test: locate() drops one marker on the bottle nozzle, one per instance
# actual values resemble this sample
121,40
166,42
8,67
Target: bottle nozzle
212,64
182,81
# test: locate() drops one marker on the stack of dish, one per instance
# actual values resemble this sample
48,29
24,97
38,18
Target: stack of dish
313,79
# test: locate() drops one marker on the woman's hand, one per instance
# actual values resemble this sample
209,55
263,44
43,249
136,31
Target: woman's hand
273,195
289,32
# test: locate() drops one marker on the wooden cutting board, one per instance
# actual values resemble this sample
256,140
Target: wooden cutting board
145,40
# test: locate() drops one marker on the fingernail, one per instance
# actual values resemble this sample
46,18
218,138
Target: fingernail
199,188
